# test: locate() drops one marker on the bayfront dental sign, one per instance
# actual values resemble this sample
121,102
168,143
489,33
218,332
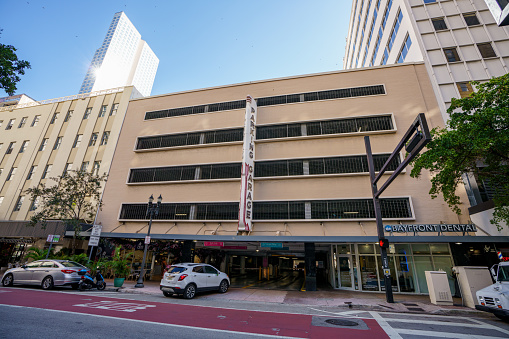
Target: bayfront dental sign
462,228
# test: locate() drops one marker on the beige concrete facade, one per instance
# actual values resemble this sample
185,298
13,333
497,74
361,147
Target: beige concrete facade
408,91
33,125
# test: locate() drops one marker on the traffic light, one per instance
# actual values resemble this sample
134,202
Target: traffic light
384,243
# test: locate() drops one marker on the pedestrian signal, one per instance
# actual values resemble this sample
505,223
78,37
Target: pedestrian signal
384,243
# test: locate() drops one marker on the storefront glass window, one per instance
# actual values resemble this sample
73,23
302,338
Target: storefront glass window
421,248
366,249
422,264
405,266
439,248
344,249
369,277
403,249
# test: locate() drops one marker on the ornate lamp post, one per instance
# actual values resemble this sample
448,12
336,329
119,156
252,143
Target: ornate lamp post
151,210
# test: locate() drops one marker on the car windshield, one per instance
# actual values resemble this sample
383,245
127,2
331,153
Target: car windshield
176,269
503,273
70,264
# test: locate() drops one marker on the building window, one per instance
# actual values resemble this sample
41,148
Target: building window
486,50
10,148
395,29
11,173
429,1
84,166
1,122
451,54
35,204
93,139
102,112
1,200
23,122
17,207
464,88
77,141
35,121
471,19
47,169
439,24
31,172
404,49
10,124
88,111
23,146
104,138
114,109
68,115
97,166
54,118
67,168
43,144
57,144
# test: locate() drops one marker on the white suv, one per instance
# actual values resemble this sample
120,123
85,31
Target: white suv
189,278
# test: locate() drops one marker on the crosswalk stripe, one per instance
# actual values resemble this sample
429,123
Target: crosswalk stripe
391,332
444,334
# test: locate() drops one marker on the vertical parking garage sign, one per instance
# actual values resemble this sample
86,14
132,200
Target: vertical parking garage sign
248,156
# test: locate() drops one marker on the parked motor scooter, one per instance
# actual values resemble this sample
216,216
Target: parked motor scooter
87,282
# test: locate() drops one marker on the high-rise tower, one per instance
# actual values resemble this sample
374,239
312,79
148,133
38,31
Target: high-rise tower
123,59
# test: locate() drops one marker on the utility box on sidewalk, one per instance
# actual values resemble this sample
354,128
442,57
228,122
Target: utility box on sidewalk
470,280
438,287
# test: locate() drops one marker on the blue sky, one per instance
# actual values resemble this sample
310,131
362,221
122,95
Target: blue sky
199,43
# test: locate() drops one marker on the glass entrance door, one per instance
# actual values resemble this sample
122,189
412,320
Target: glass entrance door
345,269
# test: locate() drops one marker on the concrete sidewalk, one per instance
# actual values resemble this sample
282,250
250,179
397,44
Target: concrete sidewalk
347,300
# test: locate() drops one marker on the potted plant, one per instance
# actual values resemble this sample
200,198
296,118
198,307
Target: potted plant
120,268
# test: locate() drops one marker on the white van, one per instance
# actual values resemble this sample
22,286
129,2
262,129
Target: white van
495,298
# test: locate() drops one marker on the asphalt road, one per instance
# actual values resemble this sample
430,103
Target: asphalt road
31,312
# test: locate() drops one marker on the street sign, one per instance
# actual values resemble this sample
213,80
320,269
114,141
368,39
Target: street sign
96,230
147,240
272,244
53,238
93,241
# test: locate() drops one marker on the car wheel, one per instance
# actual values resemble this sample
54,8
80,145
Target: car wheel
8,280
190,291
101,285
167,294
47,283
223,286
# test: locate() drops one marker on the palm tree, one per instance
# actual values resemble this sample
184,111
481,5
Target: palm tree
36,253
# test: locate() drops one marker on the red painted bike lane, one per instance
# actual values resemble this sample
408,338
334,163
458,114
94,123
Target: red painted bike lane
268,323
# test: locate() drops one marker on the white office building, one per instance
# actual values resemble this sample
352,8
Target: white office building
123,59
459,42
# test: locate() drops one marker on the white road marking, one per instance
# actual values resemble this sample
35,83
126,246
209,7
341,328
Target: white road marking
438,322
347,313
116,306
391,332
444,334
491,326
163,324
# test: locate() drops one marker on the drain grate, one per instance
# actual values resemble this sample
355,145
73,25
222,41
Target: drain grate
415,309
341,322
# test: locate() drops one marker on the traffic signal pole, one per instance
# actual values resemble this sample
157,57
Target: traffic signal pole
379,224
414,140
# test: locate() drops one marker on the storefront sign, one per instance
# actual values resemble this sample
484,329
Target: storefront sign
272,244
213,243
431,228
248,156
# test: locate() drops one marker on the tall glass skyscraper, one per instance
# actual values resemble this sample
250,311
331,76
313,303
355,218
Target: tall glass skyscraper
123,59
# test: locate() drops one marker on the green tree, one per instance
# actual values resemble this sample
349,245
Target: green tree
10,68
74,199
37,253
475,141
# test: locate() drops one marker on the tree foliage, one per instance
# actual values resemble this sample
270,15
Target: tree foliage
10,68
74,198
475,141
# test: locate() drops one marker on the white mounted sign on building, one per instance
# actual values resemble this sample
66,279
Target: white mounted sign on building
248,156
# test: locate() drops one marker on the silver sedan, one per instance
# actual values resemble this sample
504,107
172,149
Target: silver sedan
46,273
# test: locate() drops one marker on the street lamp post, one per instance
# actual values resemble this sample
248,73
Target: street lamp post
151,210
